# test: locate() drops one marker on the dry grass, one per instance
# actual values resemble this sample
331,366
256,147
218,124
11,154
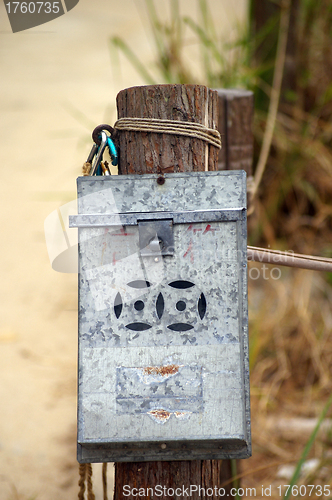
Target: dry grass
291,362
290,326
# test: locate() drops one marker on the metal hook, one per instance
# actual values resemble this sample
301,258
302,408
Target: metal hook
97,131
92,154
100,153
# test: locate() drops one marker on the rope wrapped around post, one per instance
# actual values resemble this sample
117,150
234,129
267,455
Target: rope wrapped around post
176,127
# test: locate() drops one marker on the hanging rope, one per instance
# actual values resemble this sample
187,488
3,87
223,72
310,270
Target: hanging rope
91,495
176,127
81,482
85,472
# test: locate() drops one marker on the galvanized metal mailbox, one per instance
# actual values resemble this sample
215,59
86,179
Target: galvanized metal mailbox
163,330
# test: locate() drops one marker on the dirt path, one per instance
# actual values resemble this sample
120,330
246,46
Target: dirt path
57,83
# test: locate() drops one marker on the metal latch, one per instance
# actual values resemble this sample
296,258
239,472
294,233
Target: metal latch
156,237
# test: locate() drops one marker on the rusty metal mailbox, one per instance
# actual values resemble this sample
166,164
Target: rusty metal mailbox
163,330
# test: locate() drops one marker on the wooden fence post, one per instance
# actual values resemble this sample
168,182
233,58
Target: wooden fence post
142,153
236,111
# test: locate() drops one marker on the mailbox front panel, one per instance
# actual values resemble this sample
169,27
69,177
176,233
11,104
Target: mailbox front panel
163,360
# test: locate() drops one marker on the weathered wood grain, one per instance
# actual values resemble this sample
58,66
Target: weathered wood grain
236,109
145,152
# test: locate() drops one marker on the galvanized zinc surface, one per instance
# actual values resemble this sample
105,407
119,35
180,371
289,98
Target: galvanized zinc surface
180,192
163,340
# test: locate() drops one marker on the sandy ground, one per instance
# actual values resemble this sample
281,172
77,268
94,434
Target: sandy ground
57,84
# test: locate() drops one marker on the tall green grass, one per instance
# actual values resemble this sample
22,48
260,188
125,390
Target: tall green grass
222,63
307,449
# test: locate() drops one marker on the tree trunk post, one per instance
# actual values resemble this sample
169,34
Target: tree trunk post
144,153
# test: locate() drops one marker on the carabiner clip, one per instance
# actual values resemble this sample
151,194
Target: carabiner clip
112,151
102,140
100,153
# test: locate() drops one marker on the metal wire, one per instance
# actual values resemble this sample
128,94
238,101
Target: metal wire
289,259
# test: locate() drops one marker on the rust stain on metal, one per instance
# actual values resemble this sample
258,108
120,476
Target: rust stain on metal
164,371
161,415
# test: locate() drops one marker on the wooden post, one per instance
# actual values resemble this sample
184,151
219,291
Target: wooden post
142,153
236,111
236,115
